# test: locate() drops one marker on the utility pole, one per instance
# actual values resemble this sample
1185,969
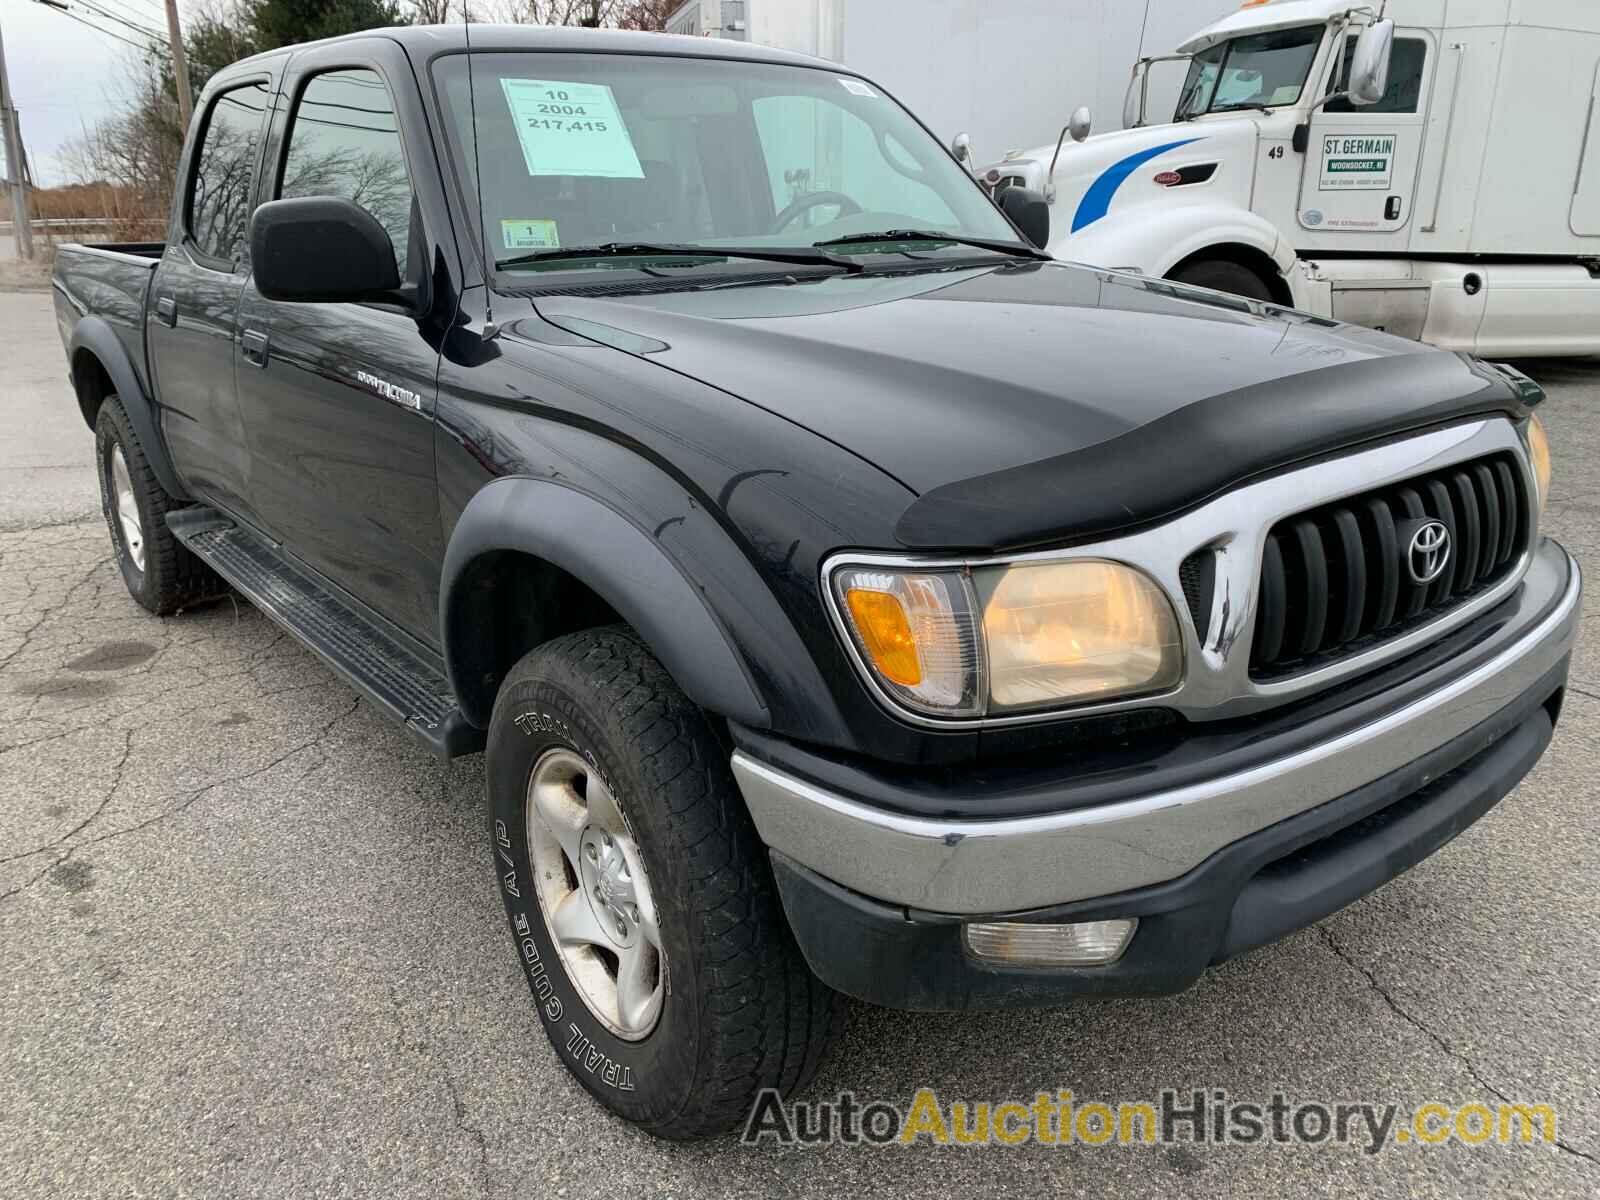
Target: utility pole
180,64
21,228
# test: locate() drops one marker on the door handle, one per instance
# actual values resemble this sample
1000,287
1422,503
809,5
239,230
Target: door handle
167,310
253,345
1391,209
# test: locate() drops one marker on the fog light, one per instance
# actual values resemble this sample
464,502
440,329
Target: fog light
1023,944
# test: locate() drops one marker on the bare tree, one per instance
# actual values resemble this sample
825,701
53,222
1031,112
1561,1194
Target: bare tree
557,12
432,12
647,15
620,14
135,150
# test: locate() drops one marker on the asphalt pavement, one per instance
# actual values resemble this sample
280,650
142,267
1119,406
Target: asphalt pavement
250,943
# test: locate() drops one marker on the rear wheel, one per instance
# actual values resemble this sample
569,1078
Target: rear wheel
160,572
640,898
1222,275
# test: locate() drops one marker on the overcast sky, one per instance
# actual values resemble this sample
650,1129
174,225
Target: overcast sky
64,76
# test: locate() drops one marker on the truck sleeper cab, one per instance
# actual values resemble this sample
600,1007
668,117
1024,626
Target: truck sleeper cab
608,404
1459,205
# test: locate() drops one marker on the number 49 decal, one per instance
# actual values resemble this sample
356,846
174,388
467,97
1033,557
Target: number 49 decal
1275,152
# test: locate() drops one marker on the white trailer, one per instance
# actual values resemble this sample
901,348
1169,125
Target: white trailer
1005,72
1461,207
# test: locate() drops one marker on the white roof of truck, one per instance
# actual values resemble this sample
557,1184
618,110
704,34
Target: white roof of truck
1257,18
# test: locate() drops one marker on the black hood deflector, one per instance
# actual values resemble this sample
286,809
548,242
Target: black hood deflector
1191,454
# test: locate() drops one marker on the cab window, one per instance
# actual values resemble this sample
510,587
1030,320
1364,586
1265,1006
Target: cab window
344,141
1262,70
221,182
1406,62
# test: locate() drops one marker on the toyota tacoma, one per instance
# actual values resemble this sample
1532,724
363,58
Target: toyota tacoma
847,597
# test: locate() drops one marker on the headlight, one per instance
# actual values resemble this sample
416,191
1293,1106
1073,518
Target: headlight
1539,455
1008,639
1074,632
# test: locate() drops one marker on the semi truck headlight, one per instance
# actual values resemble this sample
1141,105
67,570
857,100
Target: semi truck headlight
1539,455
1010,638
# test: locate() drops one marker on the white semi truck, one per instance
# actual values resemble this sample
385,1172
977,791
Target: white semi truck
1429,167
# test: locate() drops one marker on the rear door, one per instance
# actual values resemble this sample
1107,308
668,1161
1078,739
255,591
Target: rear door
339,398
195,293
1360,172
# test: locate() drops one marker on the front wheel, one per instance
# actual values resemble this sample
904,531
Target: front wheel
1221,275
640,899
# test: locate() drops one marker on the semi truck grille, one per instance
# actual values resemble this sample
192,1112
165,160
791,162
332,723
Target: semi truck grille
1342,578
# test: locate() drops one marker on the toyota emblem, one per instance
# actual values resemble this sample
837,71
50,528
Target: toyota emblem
1428,552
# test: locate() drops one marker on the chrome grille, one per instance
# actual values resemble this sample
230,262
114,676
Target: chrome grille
1334,579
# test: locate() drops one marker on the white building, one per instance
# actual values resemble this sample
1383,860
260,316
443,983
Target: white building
1006,71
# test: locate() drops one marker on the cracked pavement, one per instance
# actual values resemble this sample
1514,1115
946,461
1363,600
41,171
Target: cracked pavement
252,946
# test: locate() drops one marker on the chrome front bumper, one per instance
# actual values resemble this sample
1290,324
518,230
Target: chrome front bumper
979,867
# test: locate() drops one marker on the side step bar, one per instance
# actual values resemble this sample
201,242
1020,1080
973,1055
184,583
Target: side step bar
374,661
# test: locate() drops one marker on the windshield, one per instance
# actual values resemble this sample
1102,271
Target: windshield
1263,70
591,150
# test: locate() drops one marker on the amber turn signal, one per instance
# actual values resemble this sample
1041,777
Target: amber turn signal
886,634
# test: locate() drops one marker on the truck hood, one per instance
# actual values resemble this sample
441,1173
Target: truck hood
1114,173
946,380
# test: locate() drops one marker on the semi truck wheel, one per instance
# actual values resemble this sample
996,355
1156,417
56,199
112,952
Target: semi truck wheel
1221,275
640,898
160,572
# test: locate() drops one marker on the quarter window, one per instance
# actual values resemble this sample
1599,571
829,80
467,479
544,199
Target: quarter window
224,172
344,141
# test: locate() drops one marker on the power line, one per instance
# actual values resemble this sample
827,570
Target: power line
107,14
70,15
137,11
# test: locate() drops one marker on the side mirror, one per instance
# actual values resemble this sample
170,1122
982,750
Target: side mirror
961,147
1369,65
1029,212
1079,122
321,248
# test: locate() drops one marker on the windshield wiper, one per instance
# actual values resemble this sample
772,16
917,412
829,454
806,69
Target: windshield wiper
799,254
1221,108
928,235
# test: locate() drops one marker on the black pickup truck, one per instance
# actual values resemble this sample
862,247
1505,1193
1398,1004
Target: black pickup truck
848,597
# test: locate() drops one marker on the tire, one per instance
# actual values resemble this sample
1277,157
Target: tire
736,1008
161,573
1221,275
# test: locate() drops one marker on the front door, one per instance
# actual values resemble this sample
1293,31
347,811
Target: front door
339,398
1360,171
194,296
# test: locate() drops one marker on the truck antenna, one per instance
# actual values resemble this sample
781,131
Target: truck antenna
490,329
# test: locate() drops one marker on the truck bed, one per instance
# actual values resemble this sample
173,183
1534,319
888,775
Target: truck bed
107,284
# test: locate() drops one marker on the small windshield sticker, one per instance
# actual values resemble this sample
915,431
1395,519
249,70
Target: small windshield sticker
529,235
856,87
570,129
1356,162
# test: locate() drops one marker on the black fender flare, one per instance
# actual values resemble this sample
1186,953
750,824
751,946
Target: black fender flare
621,563
94,335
